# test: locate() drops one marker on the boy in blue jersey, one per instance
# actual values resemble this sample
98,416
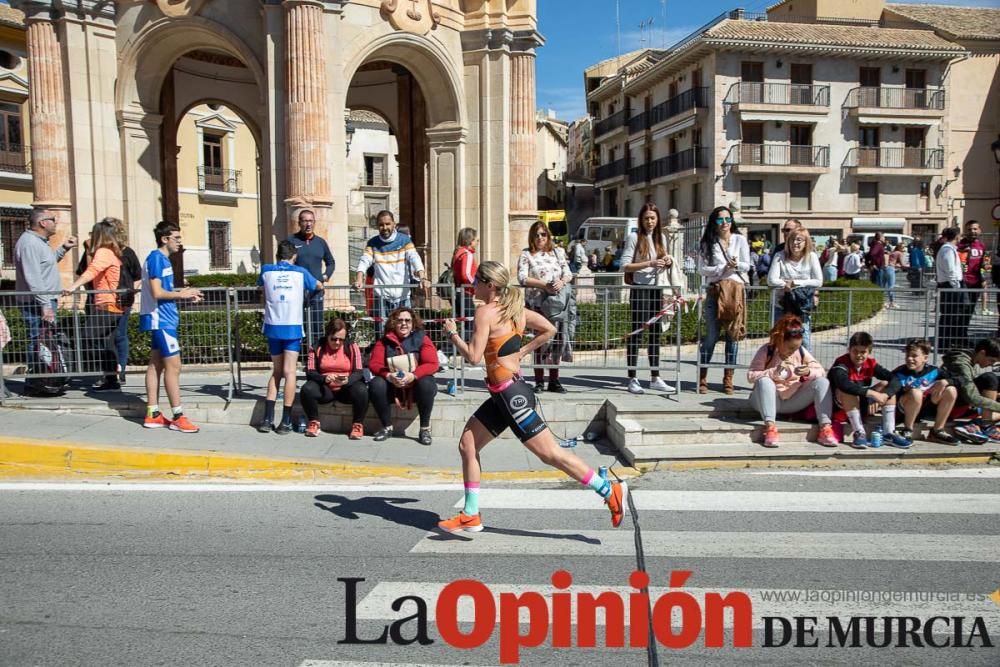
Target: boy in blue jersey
160,317
926,392
285,286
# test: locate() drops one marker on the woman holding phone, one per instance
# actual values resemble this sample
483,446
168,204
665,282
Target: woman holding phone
787,379
334,372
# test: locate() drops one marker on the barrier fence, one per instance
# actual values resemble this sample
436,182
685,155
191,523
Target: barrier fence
222,331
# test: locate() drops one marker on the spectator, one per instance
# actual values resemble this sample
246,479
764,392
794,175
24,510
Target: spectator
36,267
787,379
463,266
104,272
594,263
762,264
578,253
313,254
893,263
918,264
648,267
403,364
853,262
334,372
794,277
159,315
925,393
977,392
949,280
543,271
829,260
972,247
725,259
787,228
876,260
285,285
4,340
854,394
394,259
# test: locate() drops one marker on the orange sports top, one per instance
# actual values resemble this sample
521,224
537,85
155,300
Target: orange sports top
501,346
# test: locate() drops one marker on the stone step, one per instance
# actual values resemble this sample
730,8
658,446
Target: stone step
645,455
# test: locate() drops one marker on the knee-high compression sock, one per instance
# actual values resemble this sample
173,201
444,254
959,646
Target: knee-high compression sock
597,483
471,499
888,418
854,417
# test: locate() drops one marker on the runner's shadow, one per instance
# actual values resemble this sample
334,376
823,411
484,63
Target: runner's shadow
514,532
382,507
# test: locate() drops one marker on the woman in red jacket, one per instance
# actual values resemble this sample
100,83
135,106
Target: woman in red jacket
403,364
334,373
464,267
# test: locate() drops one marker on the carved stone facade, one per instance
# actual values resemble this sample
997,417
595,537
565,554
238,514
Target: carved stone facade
454,80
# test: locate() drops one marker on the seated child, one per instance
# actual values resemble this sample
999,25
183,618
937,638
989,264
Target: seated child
976,392
853,392
925,393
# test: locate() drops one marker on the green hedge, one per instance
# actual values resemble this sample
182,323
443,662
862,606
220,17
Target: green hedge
222,280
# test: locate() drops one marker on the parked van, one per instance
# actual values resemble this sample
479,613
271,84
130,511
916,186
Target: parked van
599,233
892,238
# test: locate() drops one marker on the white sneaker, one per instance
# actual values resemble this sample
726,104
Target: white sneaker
657,384
634,387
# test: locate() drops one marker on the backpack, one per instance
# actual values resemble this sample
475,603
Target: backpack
445,282
53,357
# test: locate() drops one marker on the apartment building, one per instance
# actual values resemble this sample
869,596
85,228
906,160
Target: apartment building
15,153
825,111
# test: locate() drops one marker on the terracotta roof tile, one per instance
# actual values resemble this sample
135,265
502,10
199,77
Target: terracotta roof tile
10,16
832,35
956,22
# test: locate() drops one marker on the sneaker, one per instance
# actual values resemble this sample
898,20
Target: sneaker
826,436
941,436
357,431
970,434
905,432
265,427
634,387
616,502
184,425
159,421
556,388
383,433
990,430
424,437
539,387
860,441
283,429
107,384
657,384
897,441
312,428
771,436
462,523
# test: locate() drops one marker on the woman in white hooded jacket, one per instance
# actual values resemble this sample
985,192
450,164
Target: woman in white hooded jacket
795,266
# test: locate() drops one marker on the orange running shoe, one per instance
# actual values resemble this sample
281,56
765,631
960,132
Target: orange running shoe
312,428
184,425
462,523
357,431
159,421
616,502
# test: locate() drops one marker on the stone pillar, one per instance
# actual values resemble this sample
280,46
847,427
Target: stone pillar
47,113
446,206
523,185
308,133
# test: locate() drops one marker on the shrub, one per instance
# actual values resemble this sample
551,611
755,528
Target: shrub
222,280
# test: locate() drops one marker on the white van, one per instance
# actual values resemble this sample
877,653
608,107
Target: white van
892,238
599,233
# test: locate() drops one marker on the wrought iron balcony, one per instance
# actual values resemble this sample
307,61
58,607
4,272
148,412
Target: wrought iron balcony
686,160
611,170
214,179
611,123
638,123
15,158
884,97
892,158
689,99
783,94
778,155
639,174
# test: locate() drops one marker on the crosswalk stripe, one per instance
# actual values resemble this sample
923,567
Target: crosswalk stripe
953,473
377,605
749,501
352,663
694,544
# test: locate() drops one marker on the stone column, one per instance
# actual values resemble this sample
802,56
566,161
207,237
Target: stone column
308,133
447,194
47,113
523,186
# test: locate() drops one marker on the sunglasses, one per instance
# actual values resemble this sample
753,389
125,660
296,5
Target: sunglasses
336,339
794,333
788,230
723,221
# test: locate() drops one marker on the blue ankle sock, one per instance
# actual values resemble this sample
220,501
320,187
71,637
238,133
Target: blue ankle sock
471,499
598,484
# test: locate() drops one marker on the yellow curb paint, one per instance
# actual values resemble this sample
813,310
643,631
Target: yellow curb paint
22,458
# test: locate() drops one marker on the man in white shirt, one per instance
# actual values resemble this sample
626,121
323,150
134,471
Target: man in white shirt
948,268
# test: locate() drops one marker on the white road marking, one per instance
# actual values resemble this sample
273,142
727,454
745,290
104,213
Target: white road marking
953,473
693,544
749,501
348,663
216,487
377,605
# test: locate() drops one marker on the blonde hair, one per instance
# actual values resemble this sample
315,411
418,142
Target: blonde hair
104,235
794,234
511,301
121,230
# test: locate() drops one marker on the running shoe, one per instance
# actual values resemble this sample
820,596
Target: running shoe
905,432
896,440
970,434
184,425
159,421
826,436
556,387
383,433
989,429
265,427
859,441
771,437
657,384
424,437
462,523
312,428
941,436
634,387
357,431
284,428
616,502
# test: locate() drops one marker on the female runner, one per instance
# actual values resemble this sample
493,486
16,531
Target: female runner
499,325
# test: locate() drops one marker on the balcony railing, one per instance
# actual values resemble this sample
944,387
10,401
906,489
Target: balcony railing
638,123
779,155
896,98
784,93
639,174
692,158
612,122
895,158
611,169
15,158
214,179
689,99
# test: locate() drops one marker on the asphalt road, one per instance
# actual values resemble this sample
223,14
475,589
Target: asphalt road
125,575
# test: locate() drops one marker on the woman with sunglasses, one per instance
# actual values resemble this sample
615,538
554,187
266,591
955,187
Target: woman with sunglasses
497,339
334,372
403,364
543,271
725,261
787,379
